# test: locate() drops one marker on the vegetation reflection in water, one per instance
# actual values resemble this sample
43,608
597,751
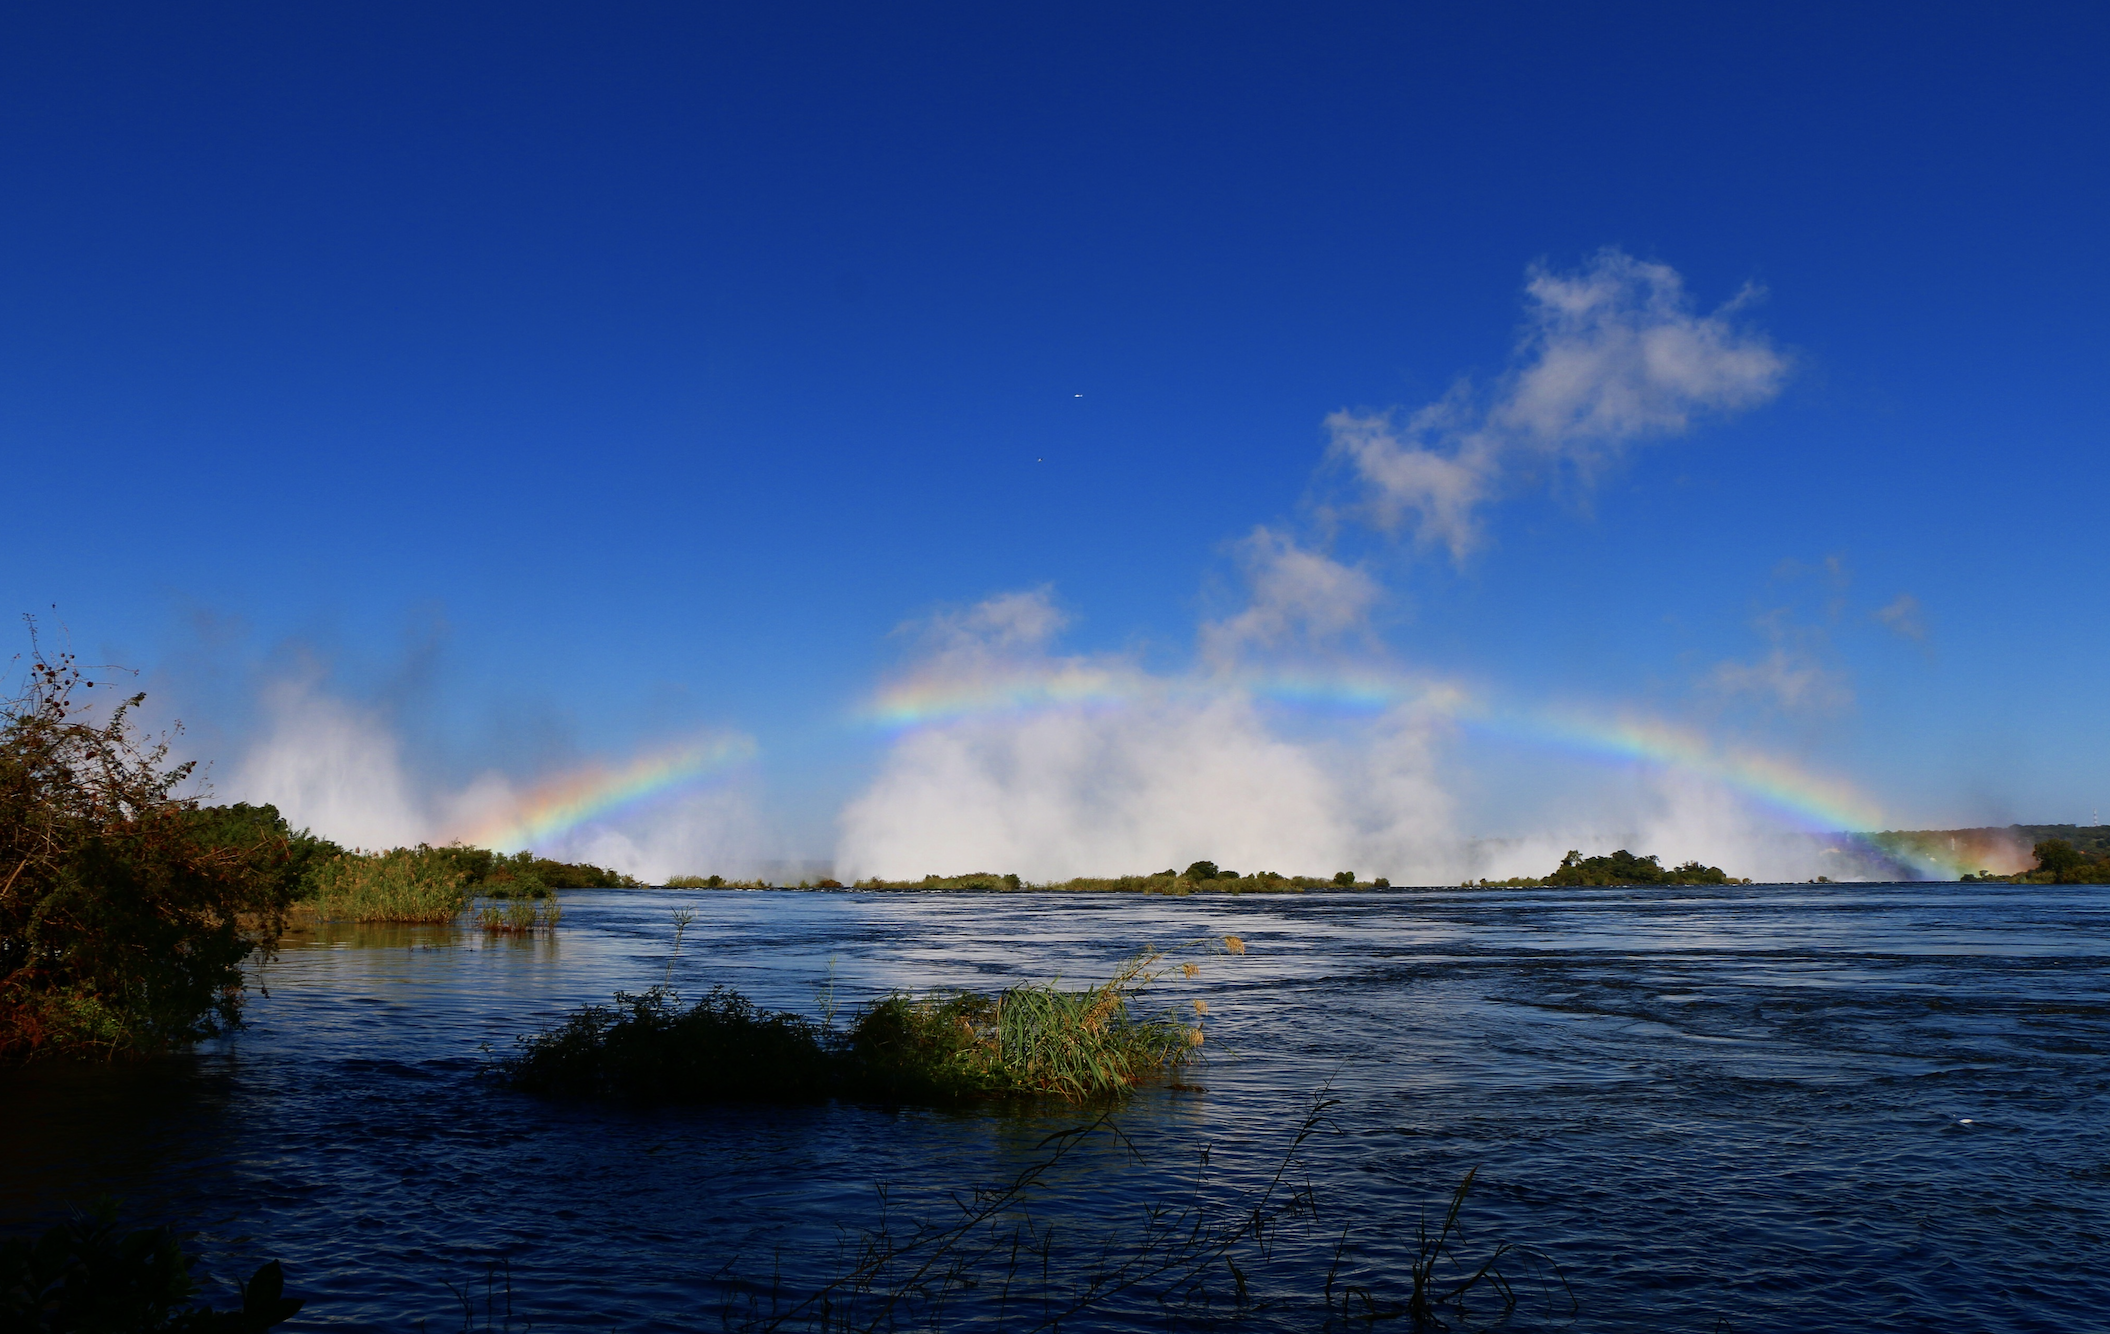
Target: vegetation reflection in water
1225,1255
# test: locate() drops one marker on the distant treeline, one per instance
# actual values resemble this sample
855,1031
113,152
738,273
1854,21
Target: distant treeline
2060,863
1618,868
1202,876
2002,849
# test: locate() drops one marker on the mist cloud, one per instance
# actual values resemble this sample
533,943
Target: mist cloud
1150,771
333,767
340,769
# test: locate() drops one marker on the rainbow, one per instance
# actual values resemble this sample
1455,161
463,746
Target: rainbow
1813,802
920,702
558,805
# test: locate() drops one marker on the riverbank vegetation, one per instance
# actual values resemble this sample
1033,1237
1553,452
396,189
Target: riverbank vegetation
126,910
949,1046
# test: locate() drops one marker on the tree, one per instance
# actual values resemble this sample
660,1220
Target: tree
126,910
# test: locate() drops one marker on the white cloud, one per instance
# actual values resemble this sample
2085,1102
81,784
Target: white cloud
1300,599
1611,355
1427,473
1905,616
1616,353
1007,622
1791,678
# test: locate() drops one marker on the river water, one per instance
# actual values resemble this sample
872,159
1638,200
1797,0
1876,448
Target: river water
1842,1107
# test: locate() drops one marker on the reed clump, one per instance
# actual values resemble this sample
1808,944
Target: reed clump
1032,1040
404,885
520,918
1029,1040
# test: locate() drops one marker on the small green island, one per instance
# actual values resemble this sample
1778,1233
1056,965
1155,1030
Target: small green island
1618,868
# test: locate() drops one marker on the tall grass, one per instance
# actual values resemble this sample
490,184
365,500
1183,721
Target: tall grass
1027,1040
405,885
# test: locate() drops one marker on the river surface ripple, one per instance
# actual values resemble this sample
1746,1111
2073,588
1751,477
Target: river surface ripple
1812,1107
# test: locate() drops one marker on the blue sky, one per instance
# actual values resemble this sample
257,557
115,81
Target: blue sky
536,388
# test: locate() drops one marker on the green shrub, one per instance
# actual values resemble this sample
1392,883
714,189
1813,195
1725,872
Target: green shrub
86,1277
648,1048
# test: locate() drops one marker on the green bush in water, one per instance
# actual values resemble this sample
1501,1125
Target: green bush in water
648,1048
943,1047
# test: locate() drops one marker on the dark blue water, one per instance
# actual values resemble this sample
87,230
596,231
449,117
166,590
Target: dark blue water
1755,1108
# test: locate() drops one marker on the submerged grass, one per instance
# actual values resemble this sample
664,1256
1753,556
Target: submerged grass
1228,1255
1031,1040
